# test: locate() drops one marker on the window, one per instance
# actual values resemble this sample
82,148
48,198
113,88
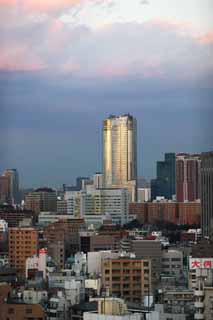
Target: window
11,311
28,310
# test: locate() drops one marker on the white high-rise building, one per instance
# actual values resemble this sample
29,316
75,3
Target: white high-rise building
94,205
120,153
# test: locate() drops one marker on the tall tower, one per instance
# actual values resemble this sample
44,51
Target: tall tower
13,177
207,194
120,153
187,177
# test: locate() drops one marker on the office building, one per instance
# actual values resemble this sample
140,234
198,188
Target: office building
120,153
98,180
13,177
164,184
42,199
127,277
207,193
94,205
188,177
4,190
23,243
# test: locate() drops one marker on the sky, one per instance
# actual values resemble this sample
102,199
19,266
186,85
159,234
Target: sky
66,65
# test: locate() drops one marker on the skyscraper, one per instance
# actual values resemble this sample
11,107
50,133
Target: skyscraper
207,193
187,177
164,184
13,177
120,153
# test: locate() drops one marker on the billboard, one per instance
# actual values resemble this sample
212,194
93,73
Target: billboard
200,263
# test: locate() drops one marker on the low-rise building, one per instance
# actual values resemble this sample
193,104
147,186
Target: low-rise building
127,277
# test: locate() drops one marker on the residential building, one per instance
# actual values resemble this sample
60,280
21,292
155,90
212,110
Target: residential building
23,243
188,177
113,309
127,277
120,153
167,212
17,310
207,194
172,263
36,263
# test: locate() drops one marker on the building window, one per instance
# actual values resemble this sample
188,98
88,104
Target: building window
29,310
11,311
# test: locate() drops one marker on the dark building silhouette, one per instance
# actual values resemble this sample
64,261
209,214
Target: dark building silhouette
164,184
207,194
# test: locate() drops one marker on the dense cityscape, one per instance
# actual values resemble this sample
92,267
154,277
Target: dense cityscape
114,246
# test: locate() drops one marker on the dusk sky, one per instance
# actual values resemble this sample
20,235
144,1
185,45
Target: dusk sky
65,65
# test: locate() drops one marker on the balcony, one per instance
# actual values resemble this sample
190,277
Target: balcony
199,316
199,305
199,293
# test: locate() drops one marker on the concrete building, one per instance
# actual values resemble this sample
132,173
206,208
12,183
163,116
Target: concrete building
3,230
127,277
188,177
95,260
14,216
208,303
113,309
149,249
172,263
13,176
36,263
34,296
42,199
98,180
16,310
62,207
95,205
4,189
144,194
66,231
207,194
120,153
56,250
167,212
23,243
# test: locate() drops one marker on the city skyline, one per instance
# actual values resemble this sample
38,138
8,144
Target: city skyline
65,66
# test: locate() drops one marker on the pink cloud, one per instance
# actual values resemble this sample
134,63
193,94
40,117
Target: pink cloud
43,6
14,59
206,39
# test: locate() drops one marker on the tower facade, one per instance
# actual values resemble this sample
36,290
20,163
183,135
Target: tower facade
164,184
207,194
12,175
187,177
120,153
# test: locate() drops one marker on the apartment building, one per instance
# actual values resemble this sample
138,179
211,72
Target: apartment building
23,243
127,277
